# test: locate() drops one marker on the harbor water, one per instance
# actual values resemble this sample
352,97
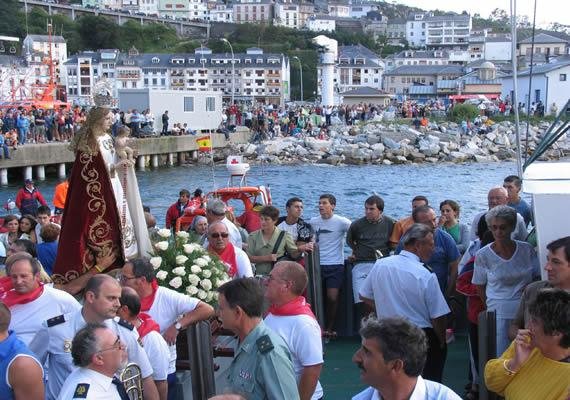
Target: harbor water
396,184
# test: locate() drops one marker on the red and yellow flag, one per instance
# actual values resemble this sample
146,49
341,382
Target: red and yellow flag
204,143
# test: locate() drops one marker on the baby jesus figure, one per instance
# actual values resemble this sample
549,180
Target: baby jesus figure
124,152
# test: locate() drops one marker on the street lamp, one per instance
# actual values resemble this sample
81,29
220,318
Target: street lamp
233,68
301,72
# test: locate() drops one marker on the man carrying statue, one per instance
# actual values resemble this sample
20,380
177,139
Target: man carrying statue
104,223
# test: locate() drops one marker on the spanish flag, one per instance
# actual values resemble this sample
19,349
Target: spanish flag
204,143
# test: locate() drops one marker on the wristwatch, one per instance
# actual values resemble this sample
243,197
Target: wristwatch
177,326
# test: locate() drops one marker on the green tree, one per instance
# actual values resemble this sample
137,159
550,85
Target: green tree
11,19
98,32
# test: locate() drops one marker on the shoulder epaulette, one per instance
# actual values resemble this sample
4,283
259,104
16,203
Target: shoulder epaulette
264,344
60,319
126,324
81,391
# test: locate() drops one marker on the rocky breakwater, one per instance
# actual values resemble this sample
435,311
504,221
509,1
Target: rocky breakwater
379,142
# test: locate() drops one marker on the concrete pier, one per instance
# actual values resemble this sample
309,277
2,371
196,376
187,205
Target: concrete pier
40,173
40,156
28,173
61,171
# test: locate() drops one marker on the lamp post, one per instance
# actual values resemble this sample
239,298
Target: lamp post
233,68
301,72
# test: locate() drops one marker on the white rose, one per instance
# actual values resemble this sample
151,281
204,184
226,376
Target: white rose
161,245
165,233
181,259
207,258
156,261
180,271
193,279
206,284
210,296
161,275
206,273
202,294
201,262
195,269
192,290
191,247
176,282
182,234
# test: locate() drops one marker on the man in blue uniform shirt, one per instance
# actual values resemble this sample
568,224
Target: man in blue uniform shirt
262,367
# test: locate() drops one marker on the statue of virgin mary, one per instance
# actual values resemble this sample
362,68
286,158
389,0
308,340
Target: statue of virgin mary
104,214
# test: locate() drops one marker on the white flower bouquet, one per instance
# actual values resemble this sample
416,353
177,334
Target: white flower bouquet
187,267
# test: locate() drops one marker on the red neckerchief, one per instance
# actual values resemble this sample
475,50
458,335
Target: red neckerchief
146,302
297,306
228,256
147,325
11,297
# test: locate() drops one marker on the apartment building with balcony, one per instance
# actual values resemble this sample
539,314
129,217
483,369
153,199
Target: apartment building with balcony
338,9
258,77
253,11
396,31
451,30
544,44
306,10
417,57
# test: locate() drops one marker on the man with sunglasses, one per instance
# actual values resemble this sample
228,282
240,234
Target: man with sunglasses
236,259
99,354
171,310
53,343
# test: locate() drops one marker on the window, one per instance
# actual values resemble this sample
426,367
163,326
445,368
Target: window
563,77
210,104
188,104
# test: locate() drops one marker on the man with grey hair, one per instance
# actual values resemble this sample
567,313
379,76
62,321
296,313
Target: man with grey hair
99,354
402,286
498,196
399,348
216,212
235,258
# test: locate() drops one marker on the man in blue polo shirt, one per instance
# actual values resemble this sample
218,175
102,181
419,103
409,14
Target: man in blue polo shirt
445,258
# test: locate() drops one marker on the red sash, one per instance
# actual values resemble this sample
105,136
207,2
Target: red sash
297,306
146,302
147,325
11,297
228,256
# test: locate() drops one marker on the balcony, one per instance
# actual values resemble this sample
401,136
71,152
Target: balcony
128,75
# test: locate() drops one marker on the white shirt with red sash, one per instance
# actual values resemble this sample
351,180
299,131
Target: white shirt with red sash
301,332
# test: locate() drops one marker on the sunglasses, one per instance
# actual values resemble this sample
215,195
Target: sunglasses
216,235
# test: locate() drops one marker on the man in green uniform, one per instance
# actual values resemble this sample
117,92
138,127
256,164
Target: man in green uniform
262,367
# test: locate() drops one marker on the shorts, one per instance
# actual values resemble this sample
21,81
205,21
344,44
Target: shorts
359,273
332,275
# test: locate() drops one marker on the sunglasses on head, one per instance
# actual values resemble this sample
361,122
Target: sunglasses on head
216,235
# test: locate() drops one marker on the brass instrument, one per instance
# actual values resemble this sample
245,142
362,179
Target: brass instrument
131,377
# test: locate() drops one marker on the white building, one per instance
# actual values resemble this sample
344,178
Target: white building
149,7
396,31
258,76
197,9
339,10
448,30
255,11
416,30
550,84
220,13
356,67
359,9
498,48
287,14
417,57
41,44
321,23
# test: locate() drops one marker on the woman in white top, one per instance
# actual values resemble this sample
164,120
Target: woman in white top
503,269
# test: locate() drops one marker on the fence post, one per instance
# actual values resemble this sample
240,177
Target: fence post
200,350
314,287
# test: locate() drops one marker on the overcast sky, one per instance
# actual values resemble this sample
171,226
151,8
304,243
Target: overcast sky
547,11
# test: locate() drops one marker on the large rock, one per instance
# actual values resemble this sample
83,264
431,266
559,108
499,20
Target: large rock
249,150
320,145
458,156
390,143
